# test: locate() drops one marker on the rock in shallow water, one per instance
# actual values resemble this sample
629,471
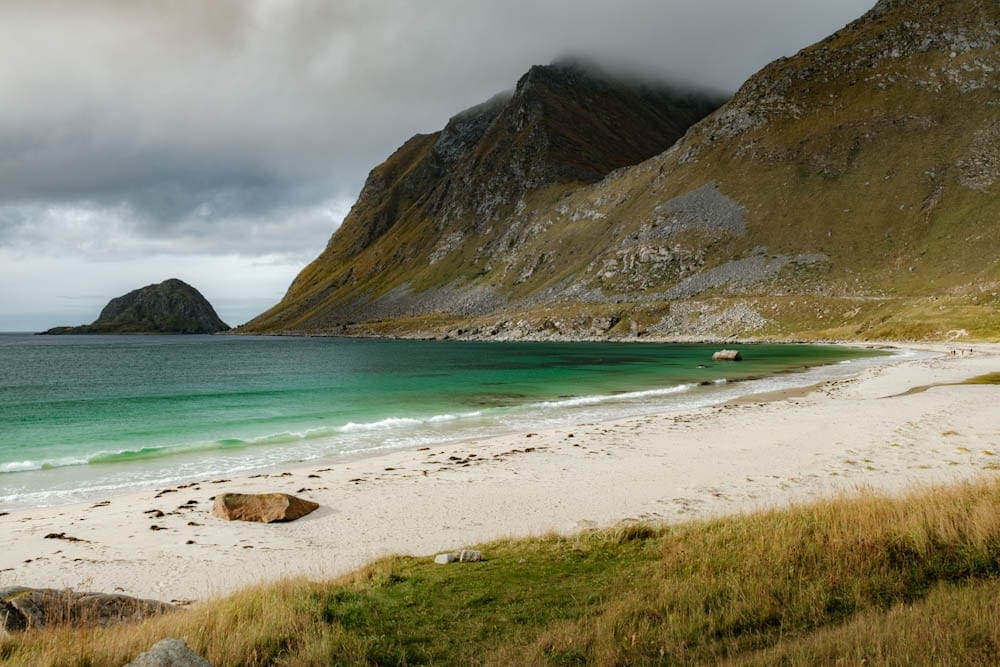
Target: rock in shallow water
262,507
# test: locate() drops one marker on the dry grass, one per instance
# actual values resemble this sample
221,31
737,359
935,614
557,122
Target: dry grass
259,626
910,580
955,624
735,586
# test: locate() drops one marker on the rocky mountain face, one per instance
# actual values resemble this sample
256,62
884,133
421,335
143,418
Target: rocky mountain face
172,306
444,203
849,191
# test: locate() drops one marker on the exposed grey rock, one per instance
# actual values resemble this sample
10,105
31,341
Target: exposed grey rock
604,323
445,245
639,266
22,608
981,168
261,507
469,556
172,306
705,209
727,355
701,319
465,129
739,274
169,653
463,556
402,301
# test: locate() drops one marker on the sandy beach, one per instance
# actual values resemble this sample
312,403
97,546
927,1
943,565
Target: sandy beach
864,431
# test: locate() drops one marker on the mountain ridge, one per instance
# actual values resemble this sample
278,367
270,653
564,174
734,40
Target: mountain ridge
843,192
484,165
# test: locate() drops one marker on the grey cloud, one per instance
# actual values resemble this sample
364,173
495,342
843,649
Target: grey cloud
223,224
112,100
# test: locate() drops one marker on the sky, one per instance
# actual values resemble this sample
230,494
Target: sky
223,142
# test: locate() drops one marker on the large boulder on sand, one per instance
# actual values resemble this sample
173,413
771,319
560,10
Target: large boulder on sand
262,507
22,608
727,355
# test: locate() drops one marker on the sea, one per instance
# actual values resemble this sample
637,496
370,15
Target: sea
84,418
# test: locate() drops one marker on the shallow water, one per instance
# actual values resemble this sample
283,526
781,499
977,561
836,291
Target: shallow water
87,416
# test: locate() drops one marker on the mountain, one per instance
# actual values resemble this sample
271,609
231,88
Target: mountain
172,306
431,215
849,191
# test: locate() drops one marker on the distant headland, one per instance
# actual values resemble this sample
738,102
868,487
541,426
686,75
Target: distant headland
172,306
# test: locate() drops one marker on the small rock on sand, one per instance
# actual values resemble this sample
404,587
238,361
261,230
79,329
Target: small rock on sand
463,556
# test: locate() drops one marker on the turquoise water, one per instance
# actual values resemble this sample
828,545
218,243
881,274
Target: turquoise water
86,417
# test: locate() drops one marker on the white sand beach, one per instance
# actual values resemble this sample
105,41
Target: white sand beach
765,451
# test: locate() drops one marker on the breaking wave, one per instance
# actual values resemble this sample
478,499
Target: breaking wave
596,399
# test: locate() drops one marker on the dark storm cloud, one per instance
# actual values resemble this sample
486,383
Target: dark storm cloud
190,122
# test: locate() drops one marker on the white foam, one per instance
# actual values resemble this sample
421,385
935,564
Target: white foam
20,466
28,466
390,423
606,398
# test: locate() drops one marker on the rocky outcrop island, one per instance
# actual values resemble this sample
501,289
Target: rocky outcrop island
172,306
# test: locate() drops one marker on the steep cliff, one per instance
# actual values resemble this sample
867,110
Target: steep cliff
442,203
172,306
849,191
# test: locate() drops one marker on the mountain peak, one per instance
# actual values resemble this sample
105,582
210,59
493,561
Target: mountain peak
563,125
566,71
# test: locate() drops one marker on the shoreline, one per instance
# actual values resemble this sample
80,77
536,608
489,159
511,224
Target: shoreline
624,339
72,479
759,451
